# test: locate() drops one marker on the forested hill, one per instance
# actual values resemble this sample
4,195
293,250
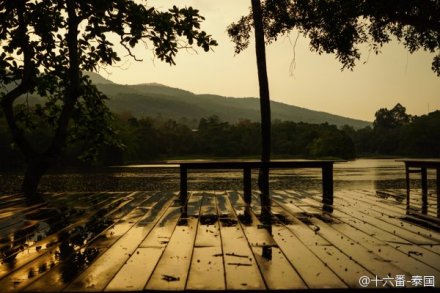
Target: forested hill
155,100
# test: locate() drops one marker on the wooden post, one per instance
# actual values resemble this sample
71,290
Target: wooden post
327,187
407,188
438,192
424,190
247,189
183,185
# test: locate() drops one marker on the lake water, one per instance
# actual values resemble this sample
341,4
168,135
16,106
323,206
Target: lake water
370,174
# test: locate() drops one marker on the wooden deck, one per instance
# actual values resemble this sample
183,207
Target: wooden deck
135,241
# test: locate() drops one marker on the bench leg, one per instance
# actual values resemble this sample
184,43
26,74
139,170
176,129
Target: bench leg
183,186
438,192
247,189
327,188
424,191
407,189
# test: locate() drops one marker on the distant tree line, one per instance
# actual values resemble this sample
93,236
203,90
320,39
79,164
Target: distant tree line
394,133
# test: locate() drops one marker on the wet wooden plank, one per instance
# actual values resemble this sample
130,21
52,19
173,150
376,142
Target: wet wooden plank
161,234
381,255
290,213
297,222
403,246
393,218
398,221
406,255
368,252
135,273
207,268
119,213
344,266
57,221
276,270
194,202
208,233
300,201
359,220
7,215
172,269
397,198
316,274
102,270
241,268
223,209
74,257
255,232
136,211
207,272
17,280
385,205
235,198
8,196
290,216
396,227
409,262
45,212
354,212
19,201
43,256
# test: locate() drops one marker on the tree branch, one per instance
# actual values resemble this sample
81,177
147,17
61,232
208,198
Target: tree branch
129,51
73,89
25,84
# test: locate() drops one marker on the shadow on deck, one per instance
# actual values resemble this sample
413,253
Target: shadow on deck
118,241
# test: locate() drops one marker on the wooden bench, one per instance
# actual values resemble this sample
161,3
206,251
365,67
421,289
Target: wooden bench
325,165
421,166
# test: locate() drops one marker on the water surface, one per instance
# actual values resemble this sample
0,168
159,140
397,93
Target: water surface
371,174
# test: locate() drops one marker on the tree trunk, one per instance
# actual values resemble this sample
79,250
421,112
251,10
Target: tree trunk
263,179
34,171
37,165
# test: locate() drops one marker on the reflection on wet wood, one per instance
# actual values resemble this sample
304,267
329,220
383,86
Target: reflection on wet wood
240,266
207,268
172,269
276,270
99,273
59,245
316,274
135,272
143,240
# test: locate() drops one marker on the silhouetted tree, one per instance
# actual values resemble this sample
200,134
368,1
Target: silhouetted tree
45,47
387,127
393,118
340,26
421,137
263,179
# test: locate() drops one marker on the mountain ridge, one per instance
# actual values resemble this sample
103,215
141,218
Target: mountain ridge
154,99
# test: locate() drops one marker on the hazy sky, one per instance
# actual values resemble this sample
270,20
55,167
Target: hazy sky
315,83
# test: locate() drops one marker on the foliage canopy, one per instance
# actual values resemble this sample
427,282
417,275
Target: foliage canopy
45,47
340,26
